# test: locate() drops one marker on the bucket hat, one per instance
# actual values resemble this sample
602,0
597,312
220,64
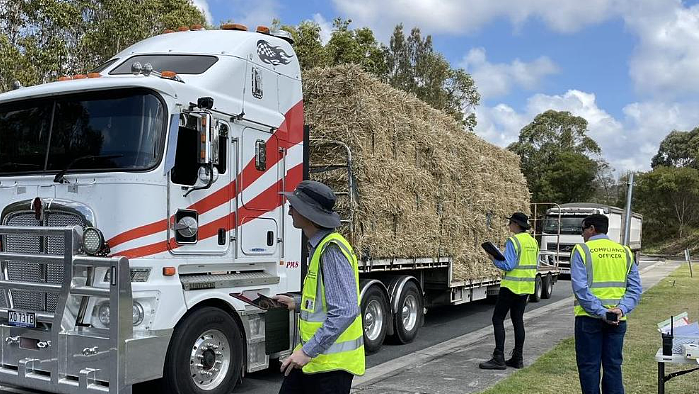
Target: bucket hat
521,219
315,201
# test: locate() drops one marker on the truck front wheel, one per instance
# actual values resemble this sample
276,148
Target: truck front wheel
205,354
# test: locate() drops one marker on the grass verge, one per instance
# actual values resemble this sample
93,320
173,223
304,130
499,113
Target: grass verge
556,372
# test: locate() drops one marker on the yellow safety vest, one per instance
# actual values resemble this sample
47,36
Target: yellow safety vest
347,353
522,278
607,264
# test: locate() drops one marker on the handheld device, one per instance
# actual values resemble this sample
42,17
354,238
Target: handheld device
262,301
492,250
611,316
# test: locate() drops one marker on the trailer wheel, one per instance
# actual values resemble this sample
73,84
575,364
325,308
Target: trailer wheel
547,286
408,316
375,315
536,297
205,354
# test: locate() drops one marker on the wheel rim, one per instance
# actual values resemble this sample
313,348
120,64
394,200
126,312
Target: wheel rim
409,312
539,289
210,360
373,320
549,286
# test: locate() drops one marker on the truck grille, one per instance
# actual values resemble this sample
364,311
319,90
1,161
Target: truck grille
35,272
563,248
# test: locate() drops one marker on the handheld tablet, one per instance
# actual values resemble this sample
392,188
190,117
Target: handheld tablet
262,301
492,250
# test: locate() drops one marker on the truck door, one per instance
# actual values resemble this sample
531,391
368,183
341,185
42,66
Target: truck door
201,214
260,198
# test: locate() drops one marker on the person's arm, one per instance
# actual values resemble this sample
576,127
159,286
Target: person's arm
633,291
578,279
340,297
510,261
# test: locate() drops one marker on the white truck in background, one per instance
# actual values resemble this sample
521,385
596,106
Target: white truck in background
560,240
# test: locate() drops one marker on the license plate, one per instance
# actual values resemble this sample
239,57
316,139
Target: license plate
21,318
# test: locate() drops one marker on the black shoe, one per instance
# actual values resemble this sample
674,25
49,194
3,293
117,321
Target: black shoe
497,362
516,360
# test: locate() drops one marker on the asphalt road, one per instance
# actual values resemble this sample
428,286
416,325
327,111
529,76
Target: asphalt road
441,324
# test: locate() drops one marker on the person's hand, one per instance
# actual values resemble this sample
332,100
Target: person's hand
616,311
297,360
286,300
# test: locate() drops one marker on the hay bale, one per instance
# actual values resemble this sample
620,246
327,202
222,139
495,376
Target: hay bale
423,186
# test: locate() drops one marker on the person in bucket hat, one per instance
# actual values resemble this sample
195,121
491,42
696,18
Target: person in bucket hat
520,265
331,351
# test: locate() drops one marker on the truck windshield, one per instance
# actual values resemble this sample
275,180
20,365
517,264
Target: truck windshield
569,224
123,130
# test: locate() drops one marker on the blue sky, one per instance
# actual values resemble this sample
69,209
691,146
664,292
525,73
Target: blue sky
630,67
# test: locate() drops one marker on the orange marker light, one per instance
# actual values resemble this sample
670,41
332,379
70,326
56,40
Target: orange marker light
168,74
183,28
262,29
80,76
169,271
94,75
234,26
196,27
65,78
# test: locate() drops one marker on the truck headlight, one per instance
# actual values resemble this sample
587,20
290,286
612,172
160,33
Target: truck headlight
137,313
103,313
93,241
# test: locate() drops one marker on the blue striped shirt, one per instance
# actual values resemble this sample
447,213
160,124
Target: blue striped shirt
340,295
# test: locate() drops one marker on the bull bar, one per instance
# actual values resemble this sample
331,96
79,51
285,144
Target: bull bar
66,357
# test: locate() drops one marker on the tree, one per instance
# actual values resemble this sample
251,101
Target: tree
307,44
678,149
414,66
557,157
42,39
668,197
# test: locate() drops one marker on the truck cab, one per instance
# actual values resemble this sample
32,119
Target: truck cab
562,229
135,199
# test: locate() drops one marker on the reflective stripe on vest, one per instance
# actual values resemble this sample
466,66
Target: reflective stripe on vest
606,269
522,278
347,352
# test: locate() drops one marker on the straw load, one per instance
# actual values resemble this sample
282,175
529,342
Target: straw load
422,185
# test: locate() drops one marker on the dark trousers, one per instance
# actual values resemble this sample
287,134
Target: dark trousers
515,304
599,344
335,382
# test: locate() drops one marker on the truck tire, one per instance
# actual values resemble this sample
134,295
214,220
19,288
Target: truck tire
546,286
536,297
205,354
409,314
375,318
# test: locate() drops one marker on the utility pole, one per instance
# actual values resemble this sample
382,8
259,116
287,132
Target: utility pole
627,220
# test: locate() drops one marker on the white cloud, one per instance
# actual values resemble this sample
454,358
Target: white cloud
326,28
458,16
253,14
203,5
494,80
627,144
666,61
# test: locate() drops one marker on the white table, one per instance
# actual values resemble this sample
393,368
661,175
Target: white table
675,359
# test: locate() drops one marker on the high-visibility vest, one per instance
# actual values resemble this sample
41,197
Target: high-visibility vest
607,265
522,278
347,353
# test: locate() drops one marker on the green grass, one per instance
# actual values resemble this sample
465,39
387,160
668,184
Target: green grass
556,372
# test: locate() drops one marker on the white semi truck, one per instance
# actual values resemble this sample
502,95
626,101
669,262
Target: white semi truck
562,229
135,199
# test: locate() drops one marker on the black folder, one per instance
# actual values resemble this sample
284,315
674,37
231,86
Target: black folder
492,250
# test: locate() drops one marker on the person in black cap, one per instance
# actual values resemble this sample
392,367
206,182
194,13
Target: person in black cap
520,264
331,351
